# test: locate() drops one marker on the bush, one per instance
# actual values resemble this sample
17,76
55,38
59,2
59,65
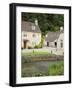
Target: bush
29,47
38,46
56,69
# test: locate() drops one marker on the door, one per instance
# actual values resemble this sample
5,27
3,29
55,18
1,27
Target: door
24,44
55,44
48,44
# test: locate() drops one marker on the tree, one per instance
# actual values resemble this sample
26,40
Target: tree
47,22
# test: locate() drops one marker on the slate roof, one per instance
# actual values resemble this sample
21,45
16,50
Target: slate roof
27,26
51,36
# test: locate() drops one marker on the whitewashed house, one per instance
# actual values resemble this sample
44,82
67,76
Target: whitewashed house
55,39
31,34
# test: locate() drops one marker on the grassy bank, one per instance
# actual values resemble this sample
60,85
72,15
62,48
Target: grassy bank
36,53
56,69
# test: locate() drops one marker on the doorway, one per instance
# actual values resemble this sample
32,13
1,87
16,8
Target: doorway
48,44
25,43
55,44
61,45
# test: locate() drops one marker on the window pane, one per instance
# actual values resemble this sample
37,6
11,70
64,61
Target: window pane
25,35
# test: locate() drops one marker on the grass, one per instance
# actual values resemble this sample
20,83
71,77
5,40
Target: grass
56,69
36,53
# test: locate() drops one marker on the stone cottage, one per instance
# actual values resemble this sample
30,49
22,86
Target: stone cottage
30,34
55,39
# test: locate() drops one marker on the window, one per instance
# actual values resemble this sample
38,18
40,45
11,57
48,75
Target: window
61,43
55,44
48,44
33,27
33,44
34,35
25,35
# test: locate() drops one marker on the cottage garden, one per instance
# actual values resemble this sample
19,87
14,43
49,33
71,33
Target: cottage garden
42,51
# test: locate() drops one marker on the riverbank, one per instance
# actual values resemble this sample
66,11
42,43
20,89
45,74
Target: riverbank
47,68
35,64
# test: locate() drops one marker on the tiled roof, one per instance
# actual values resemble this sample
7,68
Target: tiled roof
27,26
51,36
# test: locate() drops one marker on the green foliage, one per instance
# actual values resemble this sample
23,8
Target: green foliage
38,46
47,22
42,40
29,47
35,53
56,69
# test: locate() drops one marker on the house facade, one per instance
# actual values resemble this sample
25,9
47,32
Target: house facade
30,34
55,40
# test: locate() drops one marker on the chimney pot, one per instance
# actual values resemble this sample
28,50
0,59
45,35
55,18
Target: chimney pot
36,22
61,28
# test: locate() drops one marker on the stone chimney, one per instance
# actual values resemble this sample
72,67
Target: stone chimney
61,28
36,22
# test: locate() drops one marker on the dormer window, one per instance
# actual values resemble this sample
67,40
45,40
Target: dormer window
33,27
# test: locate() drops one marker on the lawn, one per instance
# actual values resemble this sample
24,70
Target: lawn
36,53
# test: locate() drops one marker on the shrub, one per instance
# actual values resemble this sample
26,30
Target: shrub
38,46
29,47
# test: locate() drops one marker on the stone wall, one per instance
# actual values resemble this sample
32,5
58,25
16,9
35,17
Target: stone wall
41,58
